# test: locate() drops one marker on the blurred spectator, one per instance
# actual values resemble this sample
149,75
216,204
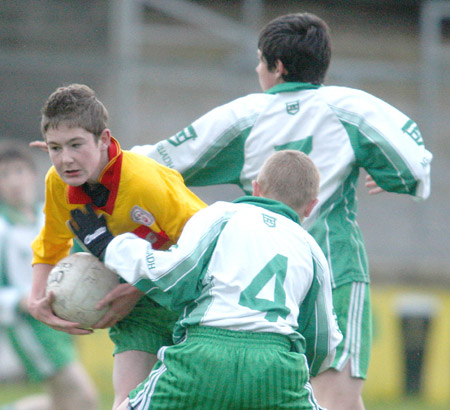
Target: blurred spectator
44,354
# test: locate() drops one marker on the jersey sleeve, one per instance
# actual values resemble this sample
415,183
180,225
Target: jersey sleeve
55,239
172,278
388,145
194,151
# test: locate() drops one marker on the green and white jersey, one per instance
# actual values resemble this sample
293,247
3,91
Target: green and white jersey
16,235
341,129
246,266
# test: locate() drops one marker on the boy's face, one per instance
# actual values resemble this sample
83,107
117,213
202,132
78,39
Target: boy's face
17,183
77,157
267,79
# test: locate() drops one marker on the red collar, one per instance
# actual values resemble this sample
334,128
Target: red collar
109,177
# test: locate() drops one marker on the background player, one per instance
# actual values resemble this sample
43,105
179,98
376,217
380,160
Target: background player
135,194
342,130
251,287
45,355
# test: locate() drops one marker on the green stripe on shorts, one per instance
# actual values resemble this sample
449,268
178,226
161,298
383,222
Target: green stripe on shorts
353,310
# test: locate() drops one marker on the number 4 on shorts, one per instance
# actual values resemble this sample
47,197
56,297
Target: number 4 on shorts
277,268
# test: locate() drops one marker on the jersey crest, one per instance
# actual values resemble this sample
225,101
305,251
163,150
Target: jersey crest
293,107
269,220
141,216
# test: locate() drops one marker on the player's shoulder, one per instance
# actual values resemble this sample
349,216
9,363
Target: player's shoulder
142,166
247,104
352,99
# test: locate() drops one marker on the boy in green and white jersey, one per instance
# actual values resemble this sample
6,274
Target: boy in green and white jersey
41,353
253,294
342,130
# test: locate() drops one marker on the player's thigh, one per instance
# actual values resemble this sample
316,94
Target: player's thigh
353,310
338,389
130,369
146,328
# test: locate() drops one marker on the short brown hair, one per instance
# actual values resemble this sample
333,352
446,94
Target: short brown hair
290,177
75,105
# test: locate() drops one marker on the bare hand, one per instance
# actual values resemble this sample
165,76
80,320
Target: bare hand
42,145
41,309
372,186
123,299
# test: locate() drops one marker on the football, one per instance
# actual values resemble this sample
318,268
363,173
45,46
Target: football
78,282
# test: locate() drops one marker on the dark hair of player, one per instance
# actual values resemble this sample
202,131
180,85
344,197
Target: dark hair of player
301,41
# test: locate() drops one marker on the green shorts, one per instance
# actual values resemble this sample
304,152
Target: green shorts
216,369
147,327
353,310
41,349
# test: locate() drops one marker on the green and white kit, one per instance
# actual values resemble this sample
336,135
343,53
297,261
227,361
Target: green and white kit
225,244
246,266
39,350
341,129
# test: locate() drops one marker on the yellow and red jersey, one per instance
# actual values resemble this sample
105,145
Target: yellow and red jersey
145,198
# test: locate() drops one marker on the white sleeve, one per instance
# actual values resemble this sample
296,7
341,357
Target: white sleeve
170,277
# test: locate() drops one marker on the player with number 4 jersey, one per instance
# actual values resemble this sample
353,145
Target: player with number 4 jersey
252,291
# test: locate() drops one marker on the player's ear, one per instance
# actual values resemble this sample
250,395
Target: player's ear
280,69
105,139
309,207
256,188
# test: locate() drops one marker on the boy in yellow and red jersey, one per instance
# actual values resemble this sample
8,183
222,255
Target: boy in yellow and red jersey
134,194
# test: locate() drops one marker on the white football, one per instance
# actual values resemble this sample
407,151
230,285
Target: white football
78,282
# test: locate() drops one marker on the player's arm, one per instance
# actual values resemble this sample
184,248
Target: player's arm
390,147
169,277
52,244
39,304
93,235
203,151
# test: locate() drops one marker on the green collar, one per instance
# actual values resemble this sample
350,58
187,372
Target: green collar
290,86
271,205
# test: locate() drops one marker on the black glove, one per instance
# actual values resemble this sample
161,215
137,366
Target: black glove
91,230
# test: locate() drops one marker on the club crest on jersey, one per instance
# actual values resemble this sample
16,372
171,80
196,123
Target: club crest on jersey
183,136
269,220
141,216
293,107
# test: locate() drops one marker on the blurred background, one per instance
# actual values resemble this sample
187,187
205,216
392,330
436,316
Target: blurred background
159,64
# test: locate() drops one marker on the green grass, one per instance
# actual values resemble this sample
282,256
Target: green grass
11,392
